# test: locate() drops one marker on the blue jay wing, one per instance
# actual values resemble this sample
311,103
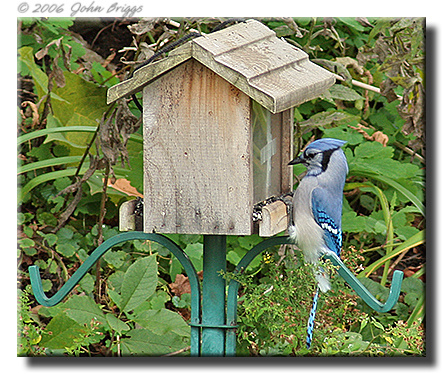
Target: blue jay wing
328,217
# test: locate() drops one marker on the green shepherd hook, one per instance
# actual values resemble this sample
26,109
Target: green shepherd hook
196,308
363,292
343,271
36,281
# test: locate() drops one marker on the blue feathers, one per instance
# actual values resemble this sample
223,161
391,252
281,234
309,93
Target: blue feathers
325,144
317,208
328,217
311,320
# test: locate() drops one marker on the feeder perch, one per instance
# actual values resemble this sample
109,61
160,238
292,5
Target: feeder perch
217,132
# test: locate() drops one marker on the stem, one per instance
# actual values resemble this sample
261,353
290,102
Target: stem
100,228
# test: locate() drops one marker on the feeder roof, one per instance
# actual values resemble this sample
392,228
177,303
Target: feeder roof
251,57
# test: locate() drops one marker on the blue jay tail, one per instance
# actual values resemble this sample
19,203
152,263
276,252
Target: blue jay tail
311,320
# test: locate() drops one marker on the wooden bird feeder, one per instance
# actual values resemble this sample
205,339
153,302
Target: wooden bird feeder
217,129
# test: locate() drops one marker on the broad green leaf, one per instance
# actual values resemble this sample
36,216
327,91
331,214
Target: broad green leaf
329,119
115,258
26,243
61,332
352,22
413,285
39,77
139,283
83,99
143,342
375,288
116,324
344,133
51,239
115,280
26,56
195,253
115,297
66,249
162,321
373,150
83,310
353,223
341,92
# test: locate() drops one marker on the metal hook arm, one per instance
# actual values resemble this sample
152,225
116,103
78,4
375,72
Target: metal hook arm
363,292
344,272
36,281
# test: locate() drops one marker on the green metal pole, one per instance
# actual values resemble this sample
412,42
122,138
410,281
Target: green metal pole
214,288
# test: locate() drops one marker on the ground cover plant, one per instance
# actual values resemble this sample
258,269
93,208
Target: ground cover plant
79,160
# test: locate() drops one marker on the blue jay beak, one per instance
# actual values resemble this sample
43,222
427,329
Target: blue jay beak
298,160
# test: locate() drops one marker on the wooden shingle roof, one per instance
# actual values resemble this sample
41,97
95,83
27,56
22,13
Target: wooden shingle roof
251,57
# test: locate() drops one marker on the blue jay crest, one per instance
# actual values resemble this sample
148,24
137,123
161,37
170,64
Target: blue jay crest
317,208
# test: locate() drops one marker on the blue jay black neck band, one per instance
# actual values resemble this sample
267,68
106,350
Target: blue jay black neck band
317,208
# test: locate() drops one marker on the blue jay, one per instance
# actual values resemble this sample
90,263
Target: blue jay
317,209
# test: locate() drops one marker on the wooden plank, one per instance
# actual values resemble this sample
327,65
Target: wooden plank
287,174
234,37
127,216
146,74
293,85
197,167
278,78
274,219
128,220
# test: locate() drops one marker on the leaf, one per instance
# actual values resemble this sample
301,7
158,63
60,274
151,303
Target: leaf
143,342
34,182
341,92
56,161
87,283
61,332
66,249
413,285
40,78
329,119
116,324
352,23
115,297
413,241
373,150
115,258
162,321
36,134
195,253
139,282
124,186
375,288
181,285
83,310
353,223
78,103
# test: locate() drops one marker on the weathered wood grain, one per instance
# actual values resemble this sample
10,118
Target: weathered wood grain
197,167
269,70
126,216
274,219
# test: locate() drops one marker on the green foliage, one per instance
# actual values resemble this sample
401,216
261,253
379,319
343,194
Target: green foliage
141,327
68,148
